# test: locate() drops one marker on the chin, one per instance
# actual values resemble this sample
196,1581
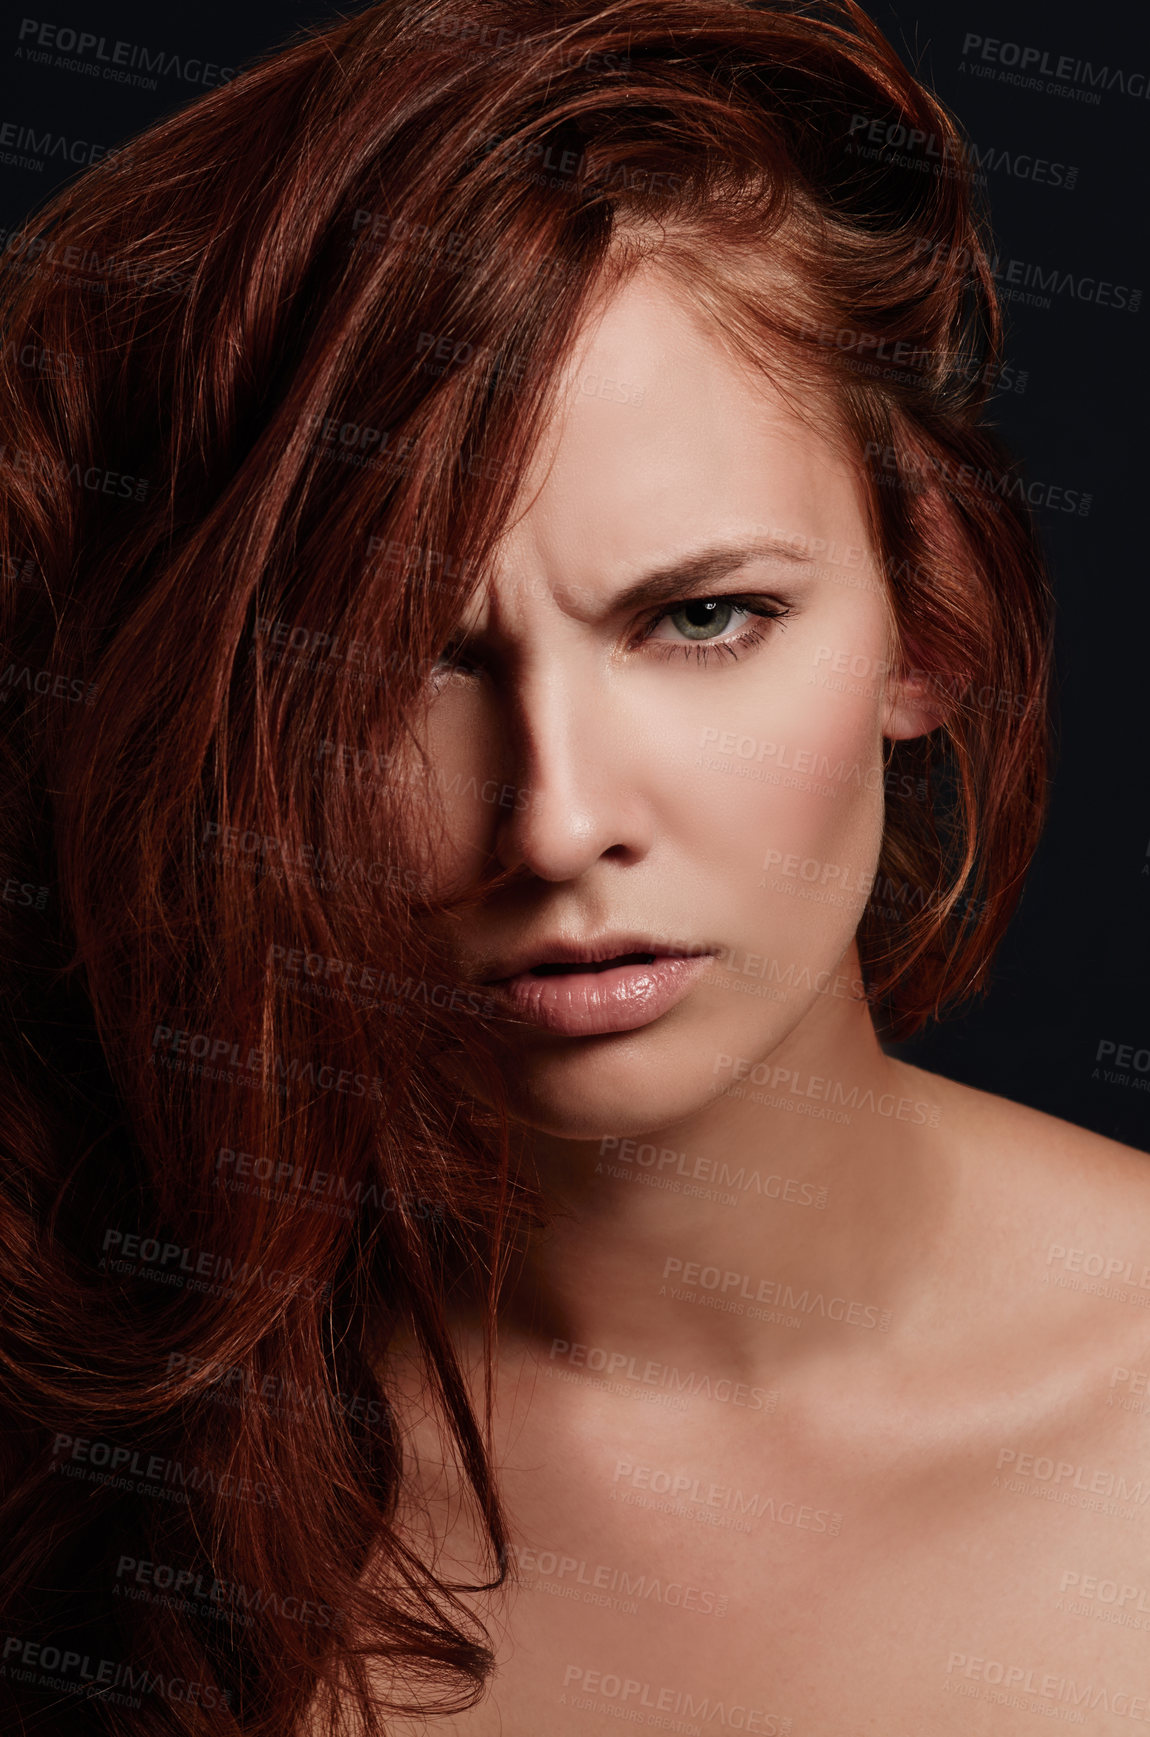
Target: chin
625,1113
627,1084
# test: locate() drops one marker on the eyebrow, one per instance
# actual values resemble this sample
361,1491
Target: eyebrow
669,583
664,584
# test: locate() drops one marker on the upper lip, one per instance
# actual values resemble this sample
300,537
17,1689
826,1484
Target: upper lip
563,952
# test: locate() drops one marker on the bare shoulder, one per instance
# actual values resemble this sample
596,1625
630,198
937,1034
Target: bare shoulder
1053,1217
1036,1147
1049,1239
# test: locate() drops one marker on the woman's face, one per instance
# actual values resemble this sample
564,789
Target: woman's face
666,712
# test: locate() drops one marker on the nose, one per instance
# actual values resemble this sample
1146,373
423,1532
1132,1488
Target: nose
580,759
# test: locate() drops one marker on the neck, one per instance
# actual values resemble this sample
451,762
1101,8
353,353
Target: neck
796,1213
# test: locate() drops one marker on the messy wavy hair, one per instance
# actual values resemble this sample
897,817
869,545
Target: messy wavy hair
271,377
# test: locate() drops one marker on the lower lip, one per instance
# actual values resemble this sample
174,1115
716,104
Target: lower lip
589,1003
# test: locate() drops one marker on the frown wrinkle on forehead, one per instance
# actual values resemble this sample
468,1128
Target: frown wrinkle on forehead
666,458
671,580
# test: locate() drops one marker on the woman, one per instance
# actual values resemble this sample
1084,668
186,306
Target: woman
511,745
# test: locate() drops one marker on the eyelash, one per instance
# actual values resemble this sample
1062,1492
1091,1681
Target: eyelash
702,649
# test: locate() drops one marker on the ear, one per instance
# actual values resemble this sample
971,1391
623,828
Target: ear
912,707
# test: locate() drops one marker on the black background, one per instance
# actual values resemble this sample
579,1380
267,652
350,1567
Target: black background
1073,971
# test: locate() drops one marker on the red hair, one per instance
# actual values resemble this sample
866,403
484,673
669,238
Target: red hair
306,344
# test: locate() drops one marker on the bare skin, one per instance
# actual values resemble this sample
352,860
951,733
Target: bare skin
884,1557
804,1409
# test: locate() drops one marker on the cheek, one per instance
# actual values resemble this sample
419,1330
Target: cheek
463,794
788,809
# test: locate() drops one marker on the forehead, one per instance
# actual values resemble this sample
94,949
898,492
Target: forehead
661,442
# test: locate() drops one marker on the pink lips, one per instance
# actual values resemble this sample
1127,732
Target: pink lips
592,1002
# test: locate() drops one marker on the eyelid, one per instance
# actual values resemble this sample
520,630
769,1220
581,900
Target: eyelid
461,650
767,606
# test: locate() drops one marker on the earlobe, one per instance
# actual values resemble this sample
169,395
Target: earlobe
912,709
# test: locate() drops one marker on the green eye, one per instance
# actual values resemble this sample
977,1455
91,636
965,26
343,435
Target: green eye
703,625
702,617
